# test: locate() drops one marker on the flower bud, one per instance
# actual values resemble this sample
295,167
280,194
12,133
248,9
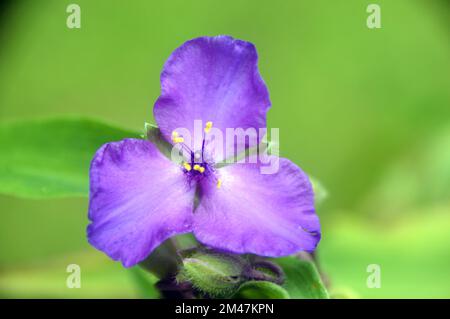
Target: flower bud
212,273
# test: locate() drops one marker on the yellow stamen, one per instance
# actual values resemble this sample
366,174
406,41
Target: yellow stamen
177,140
208,126
187,166
199,168
219,183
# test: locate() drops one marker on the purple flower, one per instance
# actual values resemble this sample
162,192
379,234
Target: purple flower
139,197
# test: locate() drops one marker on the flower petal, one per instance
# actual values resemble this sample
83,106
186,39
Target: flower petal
212,79
138,198
265,214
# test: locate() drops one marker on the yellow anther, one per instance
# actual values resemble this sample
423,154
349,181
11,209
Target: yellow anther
177,140
208,126
187,166
199,168
219,183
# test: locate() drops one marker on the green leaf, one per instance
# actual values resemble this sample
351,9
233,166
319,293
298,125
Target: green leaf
51,158
302,279
261,290
216,274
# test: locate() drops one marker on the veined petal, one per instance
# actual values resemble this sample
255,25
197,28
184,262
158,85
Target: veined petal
212,79
138,198
265,214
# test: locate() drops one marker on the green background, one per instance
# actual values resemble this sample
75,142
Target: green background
365,111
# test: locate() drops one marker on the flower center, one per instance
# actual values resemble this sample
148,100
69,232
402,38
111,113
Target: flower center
197,168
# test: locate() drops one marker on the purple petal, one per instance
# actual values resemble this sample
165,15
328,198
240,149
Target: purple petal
212,79
138,198
270,215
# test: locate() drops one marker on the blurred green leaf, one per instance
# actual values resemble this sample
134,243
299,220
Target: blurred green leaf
261,290
302,279
51,158
34,230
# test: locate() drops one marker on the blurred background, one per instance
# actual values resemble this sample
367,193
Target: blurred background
365,111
